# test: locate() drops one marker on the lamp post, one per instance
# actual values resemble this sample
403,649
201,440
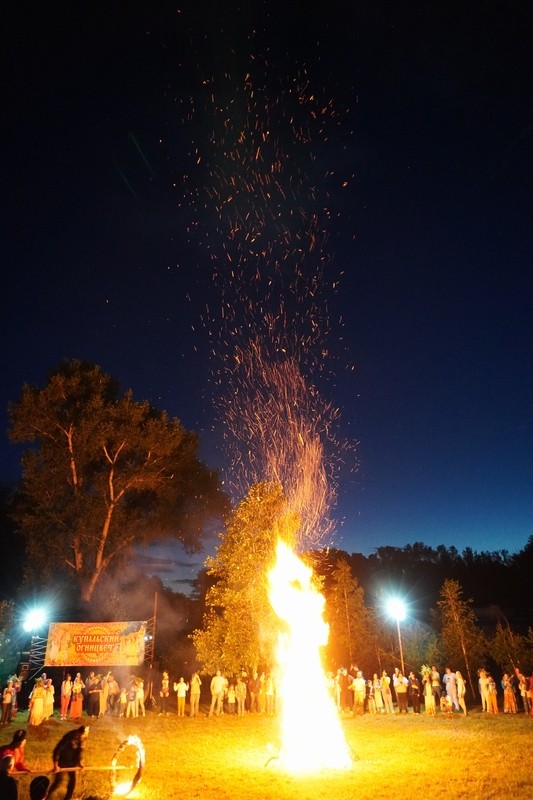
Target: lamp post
396,609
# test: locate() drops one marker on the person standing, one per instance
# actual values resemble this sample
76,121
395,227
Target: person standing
66,693
181,688
104,694
7,701
67,754
231,698
194,697
254,687
164,694
370,701
435,684
415,690
509,699
17,685
240,696
493,695
37,698
49,699
483,683
429,696
218,685
461,691
123,702
523,689
92,686
359,694
386,693
400,687
451,687
378,697
76,703
113,695
131,700
140,710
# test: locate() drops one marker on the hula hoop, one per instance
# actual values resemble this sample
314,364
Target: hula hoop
140,758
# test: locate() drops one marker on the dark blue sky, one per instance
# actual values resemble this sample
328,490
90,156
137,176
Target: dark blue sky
433,235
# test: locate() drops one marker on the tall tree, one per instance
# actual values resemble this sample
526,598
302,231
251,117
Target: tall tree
103,474
350,621
240,627
463,641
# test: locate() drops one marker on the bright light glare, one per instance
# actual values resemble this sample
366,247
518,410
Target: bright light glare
312,735
396,608
34,620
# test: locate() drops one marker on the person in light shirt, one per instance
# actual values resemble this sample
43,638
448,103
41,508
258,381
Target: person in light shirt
451,687
181,688
461,691
359,693
194,697
218,686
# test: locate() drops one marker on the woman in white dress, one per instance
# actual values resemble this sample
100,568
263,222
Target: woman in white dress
37,698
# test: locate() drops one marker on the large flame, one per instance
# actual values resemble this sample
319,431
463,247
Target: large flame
311,733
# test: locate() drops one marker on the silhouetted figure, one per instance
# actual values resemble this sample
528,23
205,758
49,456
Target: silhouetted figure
68,753
9,789
39,787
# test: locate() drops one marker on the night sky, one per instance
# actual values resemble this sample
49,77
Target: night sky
427,170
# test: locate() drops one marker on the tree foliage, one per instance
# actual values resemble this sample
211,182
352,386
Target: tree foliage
350,621
463,642
102,475
510,649
240,628
8,650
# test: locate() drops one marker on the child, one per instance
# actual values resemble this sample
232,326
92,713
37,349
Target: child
446,705
231,699
123,702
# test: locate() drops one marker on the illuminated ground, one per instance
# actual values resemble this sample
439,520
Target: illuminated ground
479,757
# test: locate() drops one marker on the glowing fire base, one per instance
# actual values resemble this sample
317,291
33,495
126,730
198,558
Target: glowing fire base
311,732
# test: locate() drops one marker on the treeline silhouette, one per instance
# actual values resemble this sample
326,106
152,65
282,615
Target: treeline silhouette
499,583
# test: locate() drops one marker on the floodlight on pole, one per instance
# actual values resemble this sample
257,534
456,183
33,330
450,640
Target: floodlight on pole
34,620
396,609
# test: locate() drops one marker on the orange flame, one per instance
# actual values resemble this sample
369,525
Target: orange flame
311,732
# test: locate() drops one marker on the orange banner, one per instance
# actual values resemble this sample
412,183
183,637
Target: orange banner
95,644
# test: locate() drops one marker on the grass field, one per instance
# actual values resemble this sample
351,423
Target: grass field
481,757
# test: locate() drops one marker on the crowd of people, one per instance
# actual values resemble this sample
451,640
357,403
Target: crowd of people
353,693
95,696
444,693
256,693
